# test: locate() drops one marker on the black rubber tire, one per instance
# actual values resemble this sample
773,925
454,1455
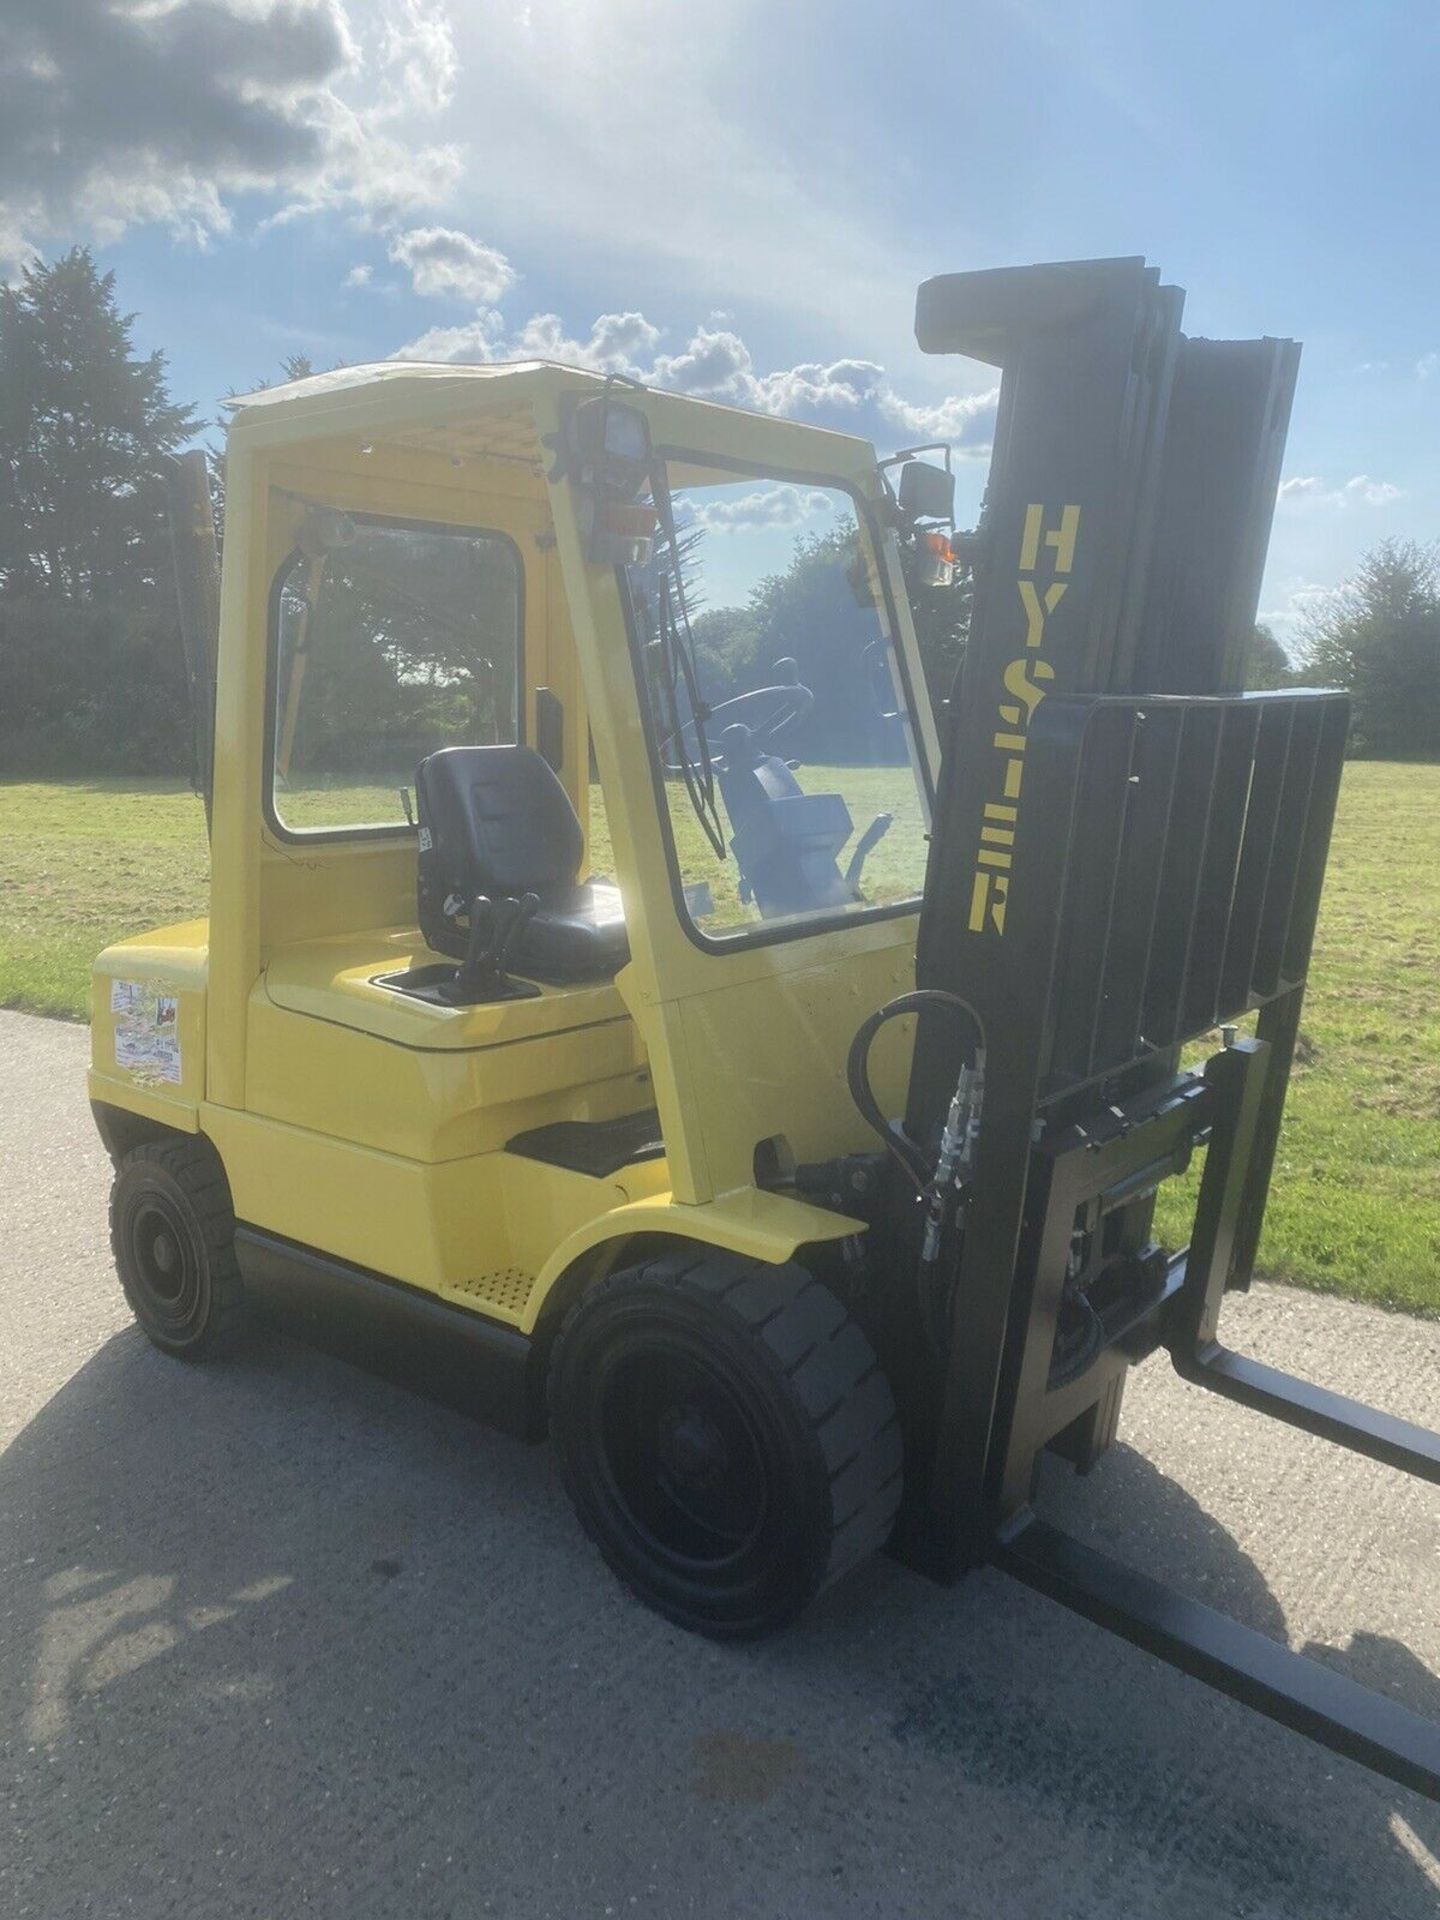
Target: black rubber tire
780,1435
172,1230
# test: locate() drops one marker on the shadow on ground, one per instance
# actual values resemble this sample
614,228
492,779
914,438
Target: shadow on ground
288,1638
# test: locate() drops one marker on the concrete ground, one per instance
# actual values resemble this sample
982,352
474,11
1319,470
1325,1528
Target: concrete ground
277,1639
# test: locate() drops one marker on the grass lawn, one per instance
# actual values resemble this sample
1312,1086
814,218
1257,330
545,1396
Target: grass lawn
1356,1204
82,863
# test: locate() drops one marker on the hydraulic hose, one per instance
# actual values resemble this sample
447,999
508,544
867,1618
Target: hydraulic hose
857,1071
1076,1350
934,1185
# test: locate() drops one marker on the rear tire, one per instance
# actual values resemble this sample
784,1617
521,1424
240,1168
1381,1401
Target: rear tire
726,1436
172,1229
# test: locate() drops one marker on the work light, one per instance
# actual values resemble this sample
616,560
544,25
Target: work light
608,448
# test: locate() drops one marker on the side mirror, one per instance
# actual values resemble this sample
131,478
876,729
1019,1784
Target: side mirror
926,492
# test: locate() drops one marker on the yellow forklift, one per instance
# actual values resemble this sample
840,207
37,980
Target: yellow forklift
624,1013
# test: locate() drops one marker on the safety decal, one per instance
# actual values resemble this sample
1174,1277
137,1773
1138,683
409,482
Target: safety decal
147,1031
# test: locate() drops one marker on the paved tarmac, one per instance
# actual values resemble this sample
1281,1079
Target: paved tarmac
279,1640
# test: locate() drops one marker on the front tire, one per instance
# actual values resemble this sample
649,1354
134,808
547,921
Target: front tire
726,1436
172,1229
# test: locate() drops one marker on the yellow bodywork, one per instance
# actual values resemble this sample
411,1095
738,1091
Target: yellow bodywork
372,1127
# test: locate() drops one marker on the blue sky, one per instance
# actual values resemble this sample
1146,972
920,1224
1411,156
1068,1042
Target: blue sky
750,193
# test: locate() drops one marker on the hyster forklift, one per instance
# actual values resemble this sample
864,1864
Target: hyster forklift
629,1011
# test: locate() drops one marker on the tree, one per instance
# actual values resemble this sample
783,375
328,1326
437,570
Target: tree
726,647
91,676
818,612
1379,636
1267,664
410,644
942,623
818,615
84,426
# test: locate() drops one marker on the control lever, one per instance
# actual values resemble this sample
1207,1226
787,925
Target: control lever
520,913
873,834
494,927
477,948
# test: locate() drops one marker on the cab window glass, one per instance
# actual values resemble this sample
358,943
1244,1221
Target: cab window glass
797,795
391,641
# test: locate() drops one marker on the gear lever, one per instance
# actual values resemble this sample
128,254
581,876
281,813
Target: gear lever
494,926
477,947
510,925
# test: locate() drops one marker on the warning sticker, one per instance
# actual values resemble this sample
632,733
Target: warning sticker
147,1031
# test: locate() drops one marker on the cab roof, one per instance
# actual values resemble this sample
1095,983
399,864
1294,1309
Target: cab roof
463,411
395,374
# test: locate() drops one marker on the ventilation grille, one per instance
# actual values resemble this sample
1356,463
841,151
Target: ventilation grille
504,1291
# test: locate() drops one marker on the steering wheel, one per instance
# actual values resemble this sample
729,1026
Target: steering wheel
768,712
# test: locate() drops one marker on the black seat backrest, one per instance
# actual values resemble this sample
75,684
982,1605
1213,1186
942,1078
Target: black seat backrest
786,841
494,821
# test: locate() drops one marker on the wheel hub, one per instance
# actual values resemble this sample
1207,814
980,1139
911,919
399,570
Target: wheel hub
161,1260
692,1447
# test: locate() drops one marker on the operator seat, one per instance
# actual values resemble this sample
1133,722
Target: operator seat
786,842
495,821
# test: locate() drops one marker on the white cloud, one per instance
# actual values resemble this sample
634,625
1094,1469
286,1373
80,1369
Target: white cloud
374,177
618,343
1309,490
114,114
417,51
716,364
1427,365
1295,598
767,506
952,419
359,276
474,341
444,263
1374,493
